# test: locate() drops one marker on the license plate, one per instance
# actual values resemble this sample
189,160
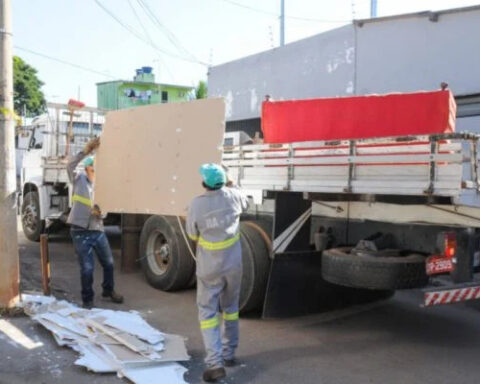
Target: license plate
436,264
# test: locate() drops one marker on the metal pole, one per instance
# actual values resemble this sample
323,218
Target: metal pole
9,267
45,264
282,23
373,9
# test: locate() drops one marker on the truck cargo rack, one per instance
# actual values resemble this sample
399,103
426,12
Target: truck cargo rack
439,168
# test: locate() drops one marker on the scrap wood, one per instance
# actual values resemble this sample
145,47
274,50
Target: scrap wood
107,343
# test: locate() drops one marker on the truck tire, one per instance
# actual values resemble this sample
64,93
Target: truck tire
32,225
340,266
256,266
165,258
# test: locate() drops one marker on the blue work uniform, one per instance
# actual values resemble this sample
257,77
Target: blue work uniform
213,221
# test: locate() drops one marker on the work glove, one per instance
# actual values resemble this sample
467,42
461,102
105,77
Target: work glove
96,211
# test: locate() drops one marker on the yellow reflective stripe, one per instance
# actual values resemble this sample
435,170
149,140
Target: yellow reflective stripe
218,245
210,323
193,237
82,200
230,316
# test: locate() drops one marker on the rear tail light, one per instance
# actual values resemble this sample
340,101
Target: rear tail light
450,245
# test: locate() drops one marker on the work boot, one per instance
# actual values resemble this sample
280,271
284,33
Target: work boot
114,296
210,375
230,362
87,305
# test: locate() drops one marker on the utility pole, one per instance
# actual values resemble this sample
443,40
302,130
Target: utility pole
9,268
282,23
373,9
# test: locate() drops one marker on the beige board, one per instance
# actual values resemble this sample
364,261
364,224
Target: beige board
149,157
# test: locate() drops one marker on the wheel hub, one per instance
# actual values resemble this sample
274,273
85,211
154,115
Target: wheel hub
29,217
158,253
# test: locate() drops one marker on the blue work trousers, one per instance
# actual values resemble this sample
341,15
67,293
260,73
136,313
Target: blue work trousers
85,243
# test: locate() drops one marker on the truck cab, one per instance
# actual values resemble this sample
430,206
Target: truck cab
45,191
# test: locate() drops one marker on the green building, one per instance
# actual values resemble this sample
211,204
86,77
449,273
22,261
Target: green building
121,94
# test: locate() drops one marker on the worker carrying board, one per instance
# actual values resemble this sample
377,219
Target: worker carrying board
213,222
87,229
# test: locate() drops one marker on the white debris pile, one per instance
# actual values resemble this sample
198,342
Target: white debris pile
112,341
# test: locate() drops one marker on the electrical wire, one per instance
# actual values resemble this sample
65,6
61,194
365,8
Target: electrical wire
309,19
169,34
147,35
141,38
65,62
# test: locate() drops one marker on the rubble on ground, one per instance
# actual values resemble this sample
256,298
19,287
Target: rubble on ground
111,341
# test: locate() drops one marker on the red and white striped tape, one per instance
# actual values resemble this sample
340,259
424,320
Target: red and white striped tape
451,296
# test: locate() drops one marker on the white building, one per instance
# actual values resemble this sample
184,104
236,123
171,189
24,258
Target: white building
401,53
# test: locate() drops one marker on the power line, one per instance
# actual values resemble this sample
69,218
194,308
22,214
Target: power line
150,39
65,62
309,19
140,22
140,37
170,35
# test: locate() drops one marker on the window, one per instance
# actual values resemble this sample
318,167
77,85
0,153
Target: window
164,97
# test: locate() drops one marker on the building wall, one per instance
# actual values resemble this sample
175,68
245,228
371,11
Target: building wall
119,95
319,65
399,54
107,95
410,54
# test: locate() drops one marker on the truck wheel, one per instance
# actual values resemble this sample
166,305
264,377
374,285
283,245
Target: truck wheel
341,266
165,259
32,225
256,266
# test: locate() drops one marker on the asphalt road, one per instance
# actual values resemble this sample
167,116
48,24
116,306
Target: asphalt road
394,341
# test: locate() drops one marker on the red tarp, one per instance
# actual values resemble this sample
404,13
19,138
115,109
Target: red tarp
358,117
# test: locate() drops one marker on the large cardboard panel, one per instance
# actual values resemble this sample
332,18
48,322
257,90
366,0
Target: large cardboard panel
149,157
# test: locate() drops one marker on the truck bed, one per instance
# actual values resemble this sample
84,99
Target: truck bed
437,168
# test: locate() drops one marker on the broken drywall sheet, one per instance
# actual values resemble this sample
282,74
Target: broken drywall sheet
109,341
167,373
133,323
95,359
149,156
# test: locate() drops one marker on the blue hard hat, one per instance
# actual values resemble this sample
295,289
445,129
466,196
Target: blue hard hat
88,162
213,175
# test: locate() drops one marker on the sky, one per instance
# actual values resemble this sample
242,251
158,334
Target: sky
109,39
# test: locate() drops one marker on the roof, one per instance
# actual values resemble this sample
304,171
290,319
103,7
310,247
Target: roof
146,82
432,15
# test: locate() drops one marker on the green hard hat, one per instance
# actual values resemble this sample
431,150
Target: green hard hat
213,175
88,162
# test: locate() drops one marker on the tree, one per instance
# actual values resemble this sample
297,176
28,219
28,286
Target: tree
201,90
27,91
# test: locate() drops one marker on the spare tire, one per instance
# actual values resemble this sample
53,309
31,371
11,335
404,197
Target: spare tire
343,267
165,258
